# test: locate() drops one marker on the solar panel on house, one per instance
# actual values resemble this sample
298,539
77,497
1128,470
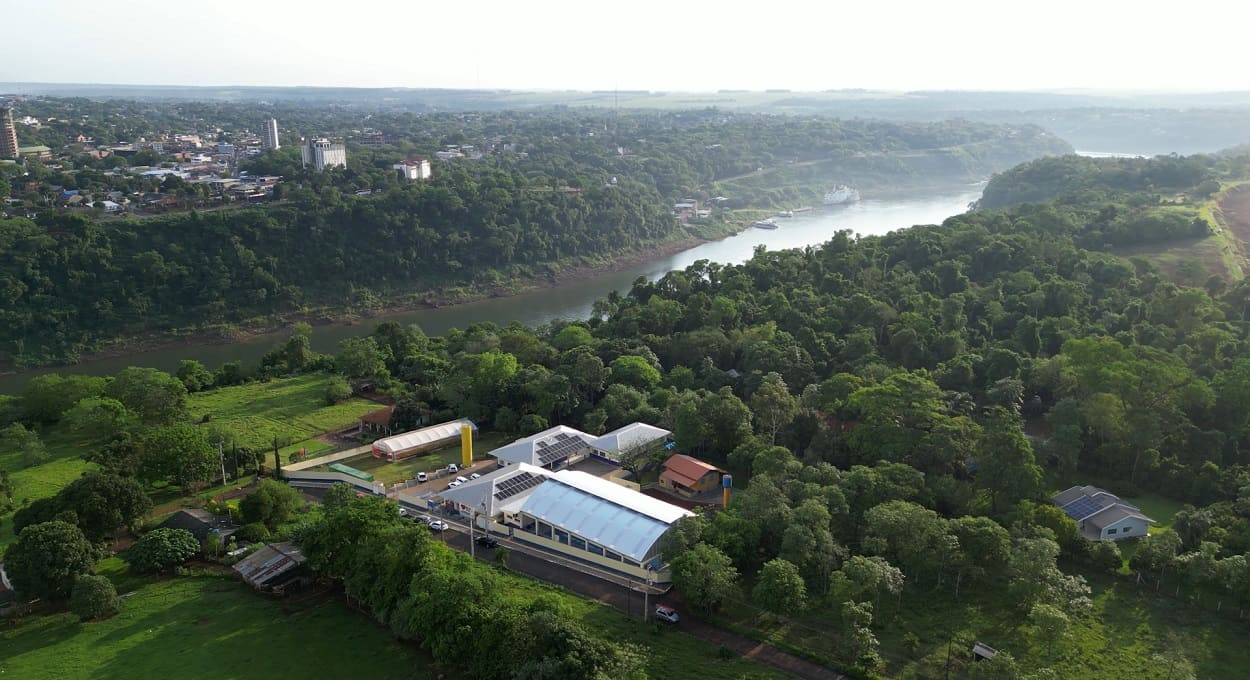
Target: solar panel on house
1081,508
515,485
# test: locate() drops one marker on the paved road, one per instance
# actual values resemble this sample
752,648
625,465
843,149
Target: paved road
631,601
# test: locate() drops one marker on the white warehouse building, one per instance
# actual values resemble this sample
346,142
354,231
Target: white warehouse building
575,514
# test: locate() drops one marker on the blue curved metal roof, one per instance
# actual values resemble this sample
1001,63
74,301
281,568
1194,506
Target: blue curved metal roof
595,519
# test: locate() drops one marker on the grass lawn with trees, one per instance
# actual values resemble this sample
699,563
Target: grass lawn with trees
207,627
291,409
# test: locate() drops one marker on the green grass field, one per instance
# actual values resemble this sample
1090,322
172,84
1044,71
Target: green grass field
293,409
211,628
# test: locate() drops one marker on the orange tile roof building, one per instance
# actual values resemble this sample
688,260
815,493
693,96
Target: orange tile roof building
689,476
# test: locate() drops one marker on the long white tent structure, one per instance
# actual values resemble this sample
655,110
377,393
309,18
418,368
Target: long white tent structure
414,442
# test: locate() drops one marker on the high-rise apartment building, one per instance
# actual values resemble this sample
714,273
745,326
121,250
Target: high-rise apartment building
322,153
8,133
269,136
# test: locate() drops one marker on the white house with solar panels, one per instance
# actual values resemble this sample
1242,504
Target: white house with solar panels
561,446
574,514
1101,515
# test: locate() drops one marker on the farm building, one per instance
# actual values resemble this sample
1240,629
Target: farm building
409,444
274,568
1101,515
689,476
574,514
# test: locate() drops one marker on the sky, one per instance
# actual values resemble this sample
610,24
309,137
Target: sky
690,45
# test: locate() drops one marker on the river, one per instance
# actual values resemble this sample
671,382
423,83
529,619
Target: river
573,300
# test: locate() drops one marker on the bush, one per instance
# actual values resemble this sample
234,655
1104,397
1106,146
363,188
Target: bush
255,531
93,597
272,503
160,549
337,390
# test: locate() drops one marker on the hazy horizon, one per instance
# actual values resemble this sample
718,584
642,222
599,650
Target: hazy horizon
698,46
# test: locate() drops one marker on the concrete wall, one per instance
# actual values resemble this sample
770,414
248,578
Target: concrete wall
326,460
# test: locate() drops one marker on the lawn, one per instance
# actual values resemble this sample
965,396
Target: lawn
292,409
211,628
214,627
45,479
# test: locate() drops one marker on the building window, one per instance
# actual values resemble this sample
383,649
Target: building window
1110,531
544,530
612,556
594,549
1125,530
562,537
577,543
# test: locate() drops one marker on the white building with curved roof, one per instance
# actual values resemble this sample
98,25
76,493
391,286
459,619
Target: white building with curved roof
577,515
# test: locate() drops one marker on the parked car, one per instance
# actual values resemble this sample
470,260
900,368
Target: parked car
403,512
438,525
422,477
666,614
424,519
454,484
501,463
462,480
487,541
474,476
453,468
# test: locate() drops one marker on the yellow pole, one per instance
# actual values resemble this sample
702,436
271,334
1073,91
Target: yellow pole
466,446
725,497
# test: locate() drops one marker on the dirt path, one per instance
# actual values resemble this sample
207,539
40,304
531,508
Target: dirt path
1235,210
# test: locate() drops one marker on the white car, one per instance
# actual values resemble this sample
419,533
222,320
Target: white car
454,484
666,614
422,477
438,525
474,476
462,480
453,468
403,512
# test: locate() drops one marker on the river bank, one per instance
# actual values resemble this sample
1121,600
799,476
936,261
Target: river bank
565,292
563,273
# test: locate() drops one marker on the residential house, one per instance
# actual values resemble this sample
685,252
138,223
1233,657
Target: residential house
1101,515
689,476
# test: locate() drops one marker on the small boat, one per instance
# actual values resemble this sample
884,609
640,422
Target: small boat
786,213
841,194
765,224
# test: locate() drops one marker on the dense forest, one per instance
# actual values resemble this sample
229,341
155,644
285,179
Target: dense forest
872,396
554,187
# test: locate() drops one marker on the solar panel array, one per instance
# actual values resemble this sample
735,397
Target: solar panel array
515,485
563,446
1082,508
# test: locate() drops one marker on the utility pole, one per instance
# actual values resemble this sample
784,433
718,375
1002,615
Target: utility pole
472,543
221,457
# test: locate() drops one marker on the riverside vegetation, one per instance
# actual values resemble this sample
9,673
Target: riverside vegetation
871,396
554,190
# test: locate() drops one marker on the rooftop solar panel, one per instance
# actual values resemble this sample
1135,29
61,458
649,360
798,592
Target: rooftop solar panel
1082,508
515,485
